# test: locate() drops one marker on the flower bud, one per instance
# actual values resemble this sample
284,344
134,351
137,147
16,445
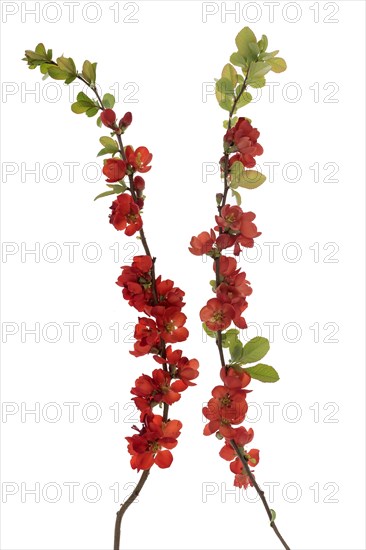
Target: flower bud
139,183
108,118
125,121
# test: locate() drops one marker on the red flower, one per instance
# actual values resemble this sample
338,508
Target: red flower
147,336
225,408
182,369
156,389
139,183
146,448
114,170
136,282
108,118
139,159
244,138
230,218
203,243
242,437
217,315
168,294
248,230
170,322
241,477
125,214
234,378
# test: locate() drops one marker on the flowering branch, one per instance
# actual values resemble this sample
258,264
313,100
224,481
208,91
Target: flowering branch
159,300
235,229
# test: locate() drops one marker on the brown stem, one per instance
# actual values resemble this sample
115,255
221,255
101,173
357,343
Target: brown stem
219,334
133,496
162,351
260,492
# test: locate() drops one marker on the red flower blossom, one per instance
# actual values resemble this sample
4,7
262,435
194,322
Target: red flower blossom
125,214
234,378
203,243
242,437
230,218
170,322
156,389
225,408
139,183
248,230
146,447
139,159
244,138
114,170
182,369
108,118
147,336
241,477
217,315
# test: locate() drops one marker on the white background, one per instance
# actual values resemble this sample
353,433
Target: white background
164,62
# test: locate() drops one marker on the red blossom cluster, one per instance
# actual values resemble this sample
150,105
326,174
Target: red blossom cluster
235,229
160,302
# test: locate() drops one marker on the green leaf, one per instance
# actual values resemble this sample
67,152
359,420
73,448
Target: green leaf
57,73
277,64
225,93
104,194
83,97
257,82
254,48
236,349
79,107
106,151
229,73
92,111
255,350
237,196
273,515
245,37
210,333
263,43
99,122
229,337
109,142
89,72
244,99
238,60
67,65
263,373
41,50
267,55
70,79
109,101
258,69
249,179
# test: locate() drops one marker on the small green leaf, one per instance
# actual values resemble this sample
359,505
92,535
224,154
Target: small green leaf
254,48
249,179
67,65
267,55
236,349
257,82
210,333
89,72
273,515
99,122
263,373
83,97
245,37
230,74
41,50
255,350
78,108
258,69
238,60
263,43
92,111
108,142
243,100
229,337
278,65
109,101
104,194
57,73
237,196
